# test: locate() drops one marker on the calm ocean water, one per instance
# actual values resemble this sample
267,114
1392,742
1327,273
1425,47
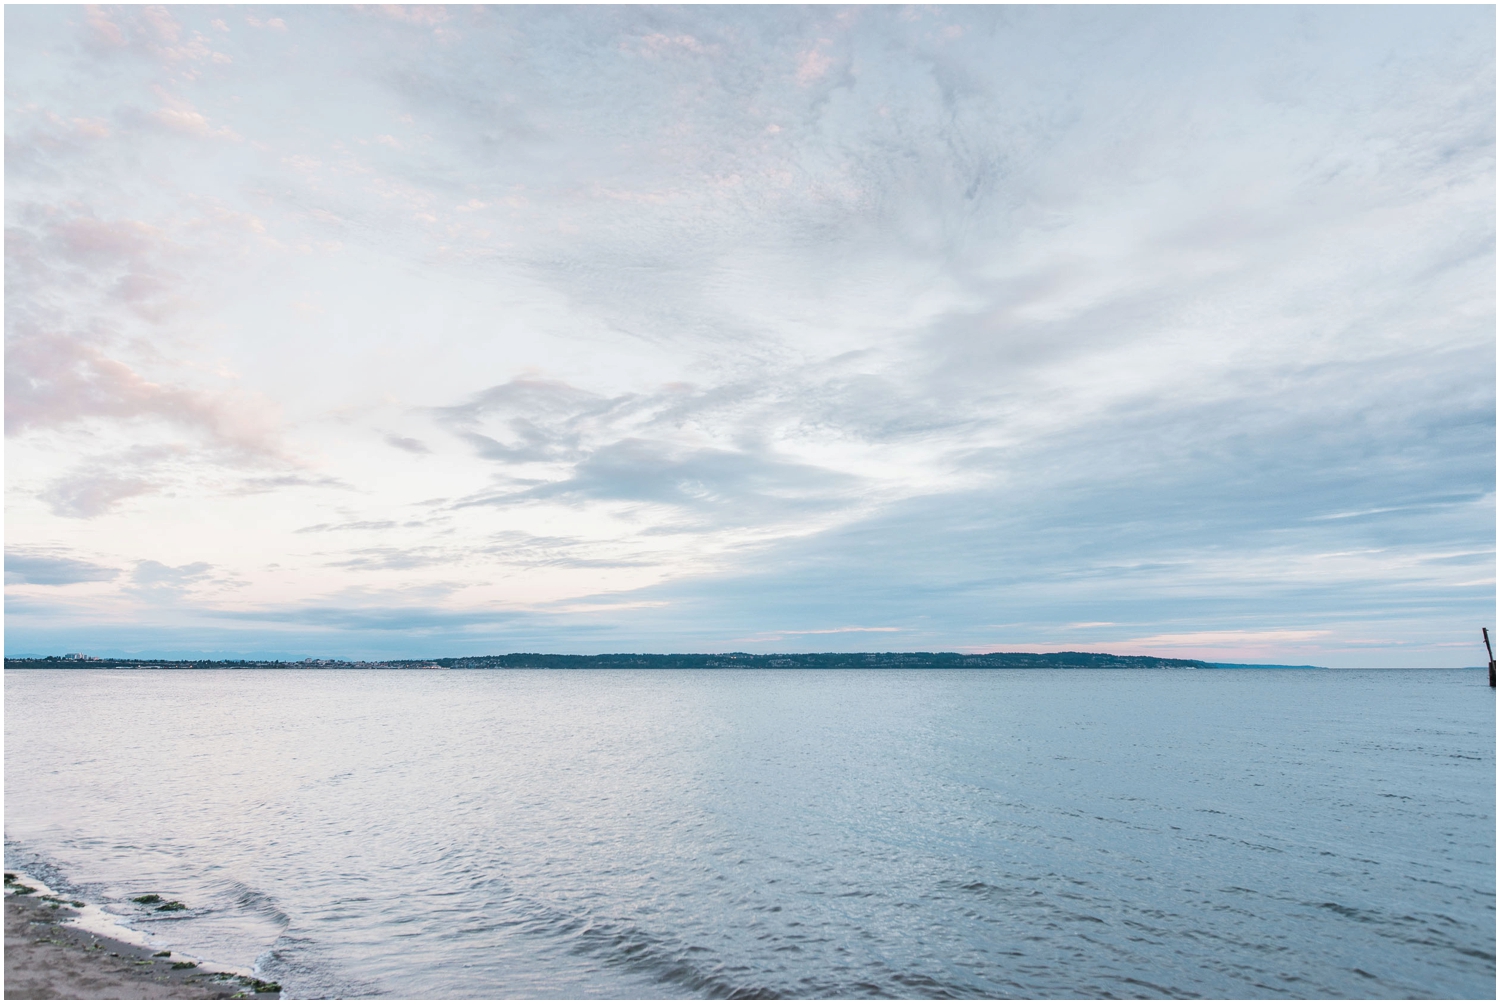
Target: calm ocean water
1041,833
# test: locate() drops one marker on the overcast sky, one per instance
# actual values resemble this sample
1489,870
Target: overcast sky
420,331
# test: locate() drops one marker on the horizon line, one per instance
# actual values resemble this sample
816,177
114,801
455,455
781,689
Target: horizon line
1080,658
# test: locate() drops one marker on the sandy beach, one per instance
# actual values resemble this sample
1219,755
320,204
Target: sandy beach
47,960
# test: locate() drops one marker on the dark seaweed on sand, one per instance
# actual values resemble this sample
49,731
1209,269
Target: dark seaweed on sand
258,986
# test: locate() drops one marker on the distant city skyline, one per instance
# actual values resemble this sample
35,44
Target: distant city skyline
401,332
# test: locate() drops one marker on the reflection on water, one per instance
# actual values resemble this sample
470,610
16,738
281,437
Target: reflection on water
1047,833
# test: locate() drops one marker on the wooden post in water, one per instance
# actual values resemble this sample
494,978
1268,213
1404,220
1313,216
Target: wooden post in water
1491,651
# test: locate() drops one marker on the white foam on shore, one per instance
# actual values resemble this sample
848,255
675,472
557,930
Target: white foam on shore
96,920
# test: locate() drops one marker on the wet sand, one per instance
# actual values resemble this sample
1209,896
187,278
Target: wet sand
45,960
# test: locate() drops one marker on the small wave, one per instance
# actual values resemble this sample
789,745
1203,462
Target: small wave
300,964
254,901
624,945
1352,912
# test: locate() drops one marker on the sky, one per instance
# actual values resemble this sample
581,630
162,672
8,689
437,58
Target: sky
398,332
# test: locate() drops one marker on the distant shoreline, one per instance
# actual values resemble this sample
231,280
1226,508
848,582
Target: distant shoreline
726,660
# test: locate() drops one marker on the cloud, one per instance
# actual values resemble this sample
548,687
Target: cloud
53,380
354,525
92,241
738,484
90,493
148,30
631,448
52,568
185,119
503,552
159,585
518,549
65,363
270,483
406,617
95,485
394,558
658,44
155,575
103,31
813,63
1207,639
424,14
540,419
407,444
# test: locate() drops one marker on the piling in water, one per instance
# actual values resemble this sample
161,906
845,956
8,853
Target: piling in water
1488,648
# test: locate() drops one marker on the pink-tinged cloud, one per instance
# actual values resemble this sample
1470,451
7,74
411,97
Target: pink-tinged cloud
1223,639
410,13
93,128
91,494
813,64
91,241
183,118
53,380
657,44
101,29
160,23
150,31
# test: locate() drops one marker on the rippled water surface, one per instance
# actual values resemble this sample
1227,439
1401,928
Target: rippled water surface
920,833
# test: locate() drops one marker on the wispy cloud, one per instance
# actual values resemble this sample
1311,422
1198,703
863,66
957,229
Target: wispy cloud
91,493
155,577
52,568
1201,639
